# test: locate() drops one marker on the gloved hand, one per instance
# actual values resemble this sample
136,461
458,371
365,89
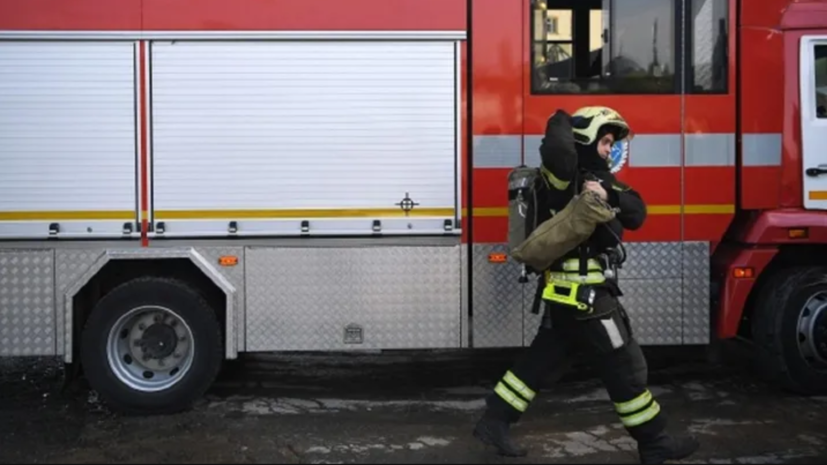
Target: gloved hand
558,143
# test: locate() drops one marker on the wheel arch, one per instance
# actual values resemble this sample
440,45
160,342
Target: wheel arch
80,297
788,257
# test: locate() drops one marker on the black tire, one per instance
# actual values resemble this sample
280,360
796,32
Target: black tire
775,328
197,316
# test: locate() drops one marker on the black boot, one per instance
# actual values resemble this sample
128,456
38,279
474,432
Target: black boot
666,447
494,432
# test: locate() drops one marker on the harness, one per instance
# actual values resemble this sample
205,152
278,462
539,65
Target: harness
575,285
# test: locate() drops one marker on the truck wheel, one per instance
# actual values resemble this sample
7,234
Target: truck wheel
789,329
151,345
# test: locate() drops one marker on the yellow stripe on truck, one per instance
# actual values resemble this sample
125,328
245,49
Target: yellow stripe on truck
301,214
162,215
712,209
67,215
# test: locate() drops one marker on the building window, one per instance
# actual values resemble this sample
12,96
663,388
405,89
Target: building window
708,39
604,46
820,65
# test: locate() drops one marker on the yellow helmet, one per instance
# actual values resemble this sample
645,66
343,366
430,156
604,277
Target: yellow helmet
587,121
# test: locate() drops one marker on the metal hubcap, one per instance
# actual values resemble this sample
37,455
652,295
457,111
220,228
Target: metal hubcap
150,348
812,331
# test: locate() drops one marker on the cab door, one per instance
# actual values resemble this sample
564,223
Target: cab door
814,120
627,55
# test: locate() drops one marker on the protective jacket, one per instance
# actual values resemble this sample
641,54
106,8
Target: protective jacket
604,332
566,170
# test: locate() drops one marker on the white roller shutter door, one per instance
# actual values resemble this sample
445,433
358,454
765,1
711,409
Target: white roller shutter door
67,137
271,133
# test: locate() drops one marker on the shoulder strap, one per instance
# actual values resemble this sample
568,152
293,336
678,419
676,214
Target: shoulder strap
581,250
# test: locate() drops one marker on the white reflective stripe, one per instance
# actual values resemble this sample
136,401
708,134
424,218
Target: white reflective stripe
509,397
591,278
709,149
614,332
761,149
642,417
497,151
519,386
574,265
635,404
646,150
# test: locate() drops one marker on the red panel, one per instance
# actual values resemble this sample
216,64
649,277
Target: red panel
705,227
498,51
657,186
232,15
492,230
711,113
639,114
490,187
762,13
466,233
144,128
792,185
709,185
734,292
771,227
805,14
465,174
64,15
284,15
760,188
762,78
665,228
762,109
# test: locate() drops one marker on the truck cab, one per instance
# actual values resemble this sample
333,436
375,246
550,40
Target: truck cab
770,271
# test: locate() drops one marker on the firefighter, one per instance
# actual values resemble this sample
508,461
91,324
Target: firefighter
580,296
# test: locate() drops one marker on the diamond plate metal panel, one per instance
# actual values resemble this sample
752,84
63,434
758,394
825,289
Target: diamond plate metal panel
655,308
235,275
498,299
696,306
652,260
27,304
385,297
70,265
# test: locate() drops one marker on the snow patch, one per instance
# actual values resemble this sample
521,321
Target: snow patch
418,444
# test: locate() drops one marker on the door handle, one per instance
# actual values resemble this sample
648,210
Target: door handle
817,171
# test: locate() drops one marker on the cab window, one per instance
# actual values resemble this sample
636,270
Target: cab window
628,46
820,66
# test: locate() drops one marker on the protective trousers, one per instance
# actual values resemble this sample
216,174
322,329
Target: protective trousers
607,340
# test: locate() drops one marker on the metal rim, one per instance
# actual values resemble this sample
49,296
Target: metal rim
812,331
150,348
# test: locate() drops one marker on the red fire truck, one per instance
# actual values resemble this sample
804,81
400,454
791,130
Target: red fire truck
186,181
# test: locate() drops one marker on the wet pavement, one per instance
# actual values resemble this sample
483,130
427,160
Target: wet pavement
401,408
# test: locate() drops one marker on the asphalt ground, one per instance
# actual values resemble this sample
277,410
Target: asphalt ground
402,408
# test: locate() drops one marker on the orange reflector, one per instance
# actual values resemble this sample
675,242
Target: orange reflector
797,233
743,272
497,257
228,260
